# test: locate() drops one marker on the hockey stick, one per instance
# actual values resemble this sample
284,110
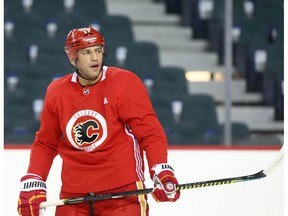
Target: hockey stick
90,198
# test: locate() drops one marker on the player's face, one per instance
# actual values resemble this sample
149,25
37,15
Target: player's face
89,64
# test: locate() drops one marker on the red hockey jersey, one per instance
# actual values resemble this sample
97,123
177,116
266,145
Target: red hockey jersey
99,131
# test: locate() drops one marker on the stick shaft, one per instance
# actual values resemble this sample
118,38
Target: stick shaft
200,184
278,159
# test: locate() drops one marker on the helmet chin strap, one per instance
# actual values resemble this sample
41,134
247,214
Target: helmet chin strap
78,72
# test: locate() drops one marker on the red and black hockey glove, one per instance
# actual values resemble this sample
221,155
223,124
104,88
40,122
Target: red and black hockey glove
165,183
32,193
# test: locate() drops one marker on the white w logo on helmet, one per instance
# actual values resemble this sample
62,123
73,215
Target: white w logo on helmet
85,30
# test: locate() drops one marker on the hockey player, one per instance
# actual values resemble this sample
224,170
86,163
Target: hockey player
100,120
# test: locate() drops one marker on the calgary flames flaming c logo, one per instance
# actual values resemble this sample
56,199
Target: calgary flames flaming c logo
86,130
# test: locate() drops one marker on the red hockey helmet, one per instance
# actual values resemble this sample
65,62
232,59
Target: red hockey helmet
82,38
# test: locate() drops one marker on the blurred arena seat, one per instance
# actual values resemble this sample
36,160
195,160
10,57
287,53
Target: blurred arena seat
143,59
170,82
163,110
117,30
198,122
18,114
239,132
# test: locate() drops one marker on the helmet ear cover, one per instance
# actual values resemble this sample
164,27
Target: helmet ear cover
81,38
